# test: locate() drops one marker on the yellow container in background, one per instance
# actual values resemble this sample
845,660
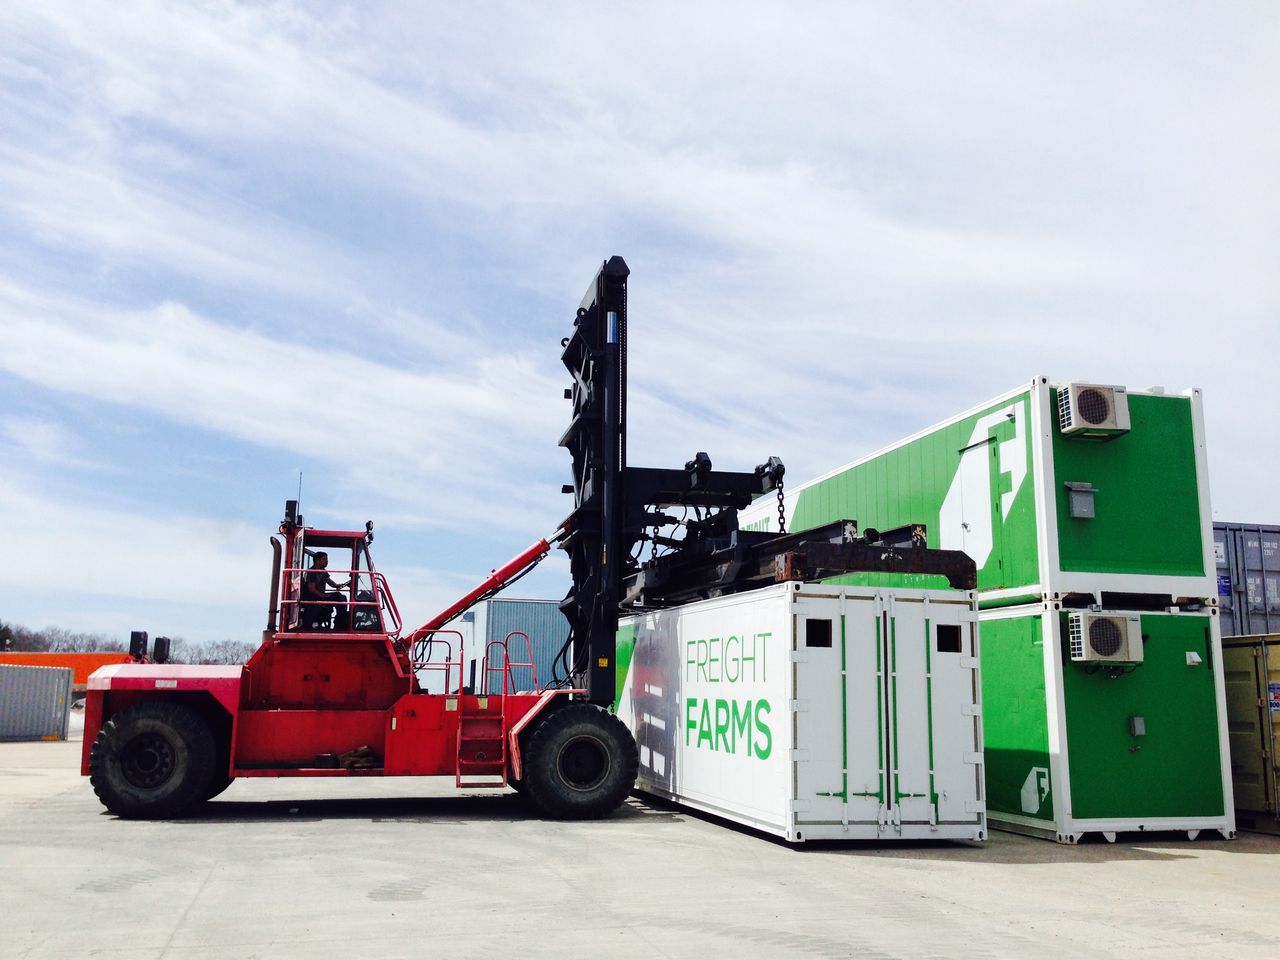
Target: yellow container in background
1252,668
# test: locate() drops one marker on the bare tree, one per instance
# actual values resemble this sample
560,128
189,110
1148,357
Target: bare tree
27,641
227,651
65,641
61,640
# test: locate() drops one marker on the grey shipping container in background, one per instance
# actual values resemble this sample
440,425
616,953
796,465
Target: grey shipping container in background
35,702
1248,560
546,628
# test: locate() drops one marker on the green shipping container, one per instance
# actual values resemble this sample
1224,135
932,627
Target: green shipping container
1047,505
1079,503
1078,744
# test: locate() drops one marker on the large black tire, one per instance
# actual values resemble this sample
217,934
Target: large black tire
580,763
153,761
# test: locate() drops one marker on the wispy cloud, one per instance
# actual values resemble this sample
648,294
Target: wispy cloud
267,237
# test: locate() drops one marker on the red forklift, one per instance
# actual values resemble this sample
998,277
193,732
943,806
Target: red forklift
339,689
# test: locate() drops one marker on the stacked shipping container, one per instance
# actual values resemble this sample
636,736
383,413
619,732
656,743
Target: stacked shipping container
1248,565
1086,509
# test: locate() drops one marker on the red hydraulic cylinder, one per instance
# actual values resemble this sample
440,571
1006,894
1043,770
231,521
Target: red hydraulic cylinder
496,580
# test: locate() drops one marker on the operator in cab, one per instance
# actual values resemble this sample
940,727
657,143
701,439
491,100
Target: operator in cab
316,586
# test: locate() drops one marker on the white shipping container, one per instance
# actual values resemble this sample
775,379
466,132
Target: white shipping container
813,712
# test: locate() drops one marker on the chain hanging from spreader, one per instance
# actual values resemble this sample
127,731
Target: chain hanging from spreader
782,507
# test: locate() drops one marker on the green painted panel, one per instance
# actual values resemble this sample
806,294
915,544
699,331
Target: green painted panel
1148,501
1015,721
626,647
970,482
1175,770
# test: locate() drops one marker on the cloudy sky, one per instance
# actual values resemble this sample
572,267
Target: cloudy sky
240,242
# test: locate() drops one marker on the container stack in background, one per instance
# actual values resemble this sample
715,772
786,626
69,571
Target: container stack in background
1248,567
1086,509
1248,558
35,702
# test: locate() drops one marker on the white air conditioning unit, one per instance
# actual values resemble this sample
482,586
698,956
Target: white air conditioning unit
1092,410
1105,637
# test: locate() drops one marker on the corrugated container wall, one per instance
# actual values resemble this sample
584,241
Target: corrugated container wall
1248,560
34,702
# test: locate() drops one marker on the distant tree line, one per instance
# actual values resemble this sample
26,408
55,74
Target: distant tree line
19,639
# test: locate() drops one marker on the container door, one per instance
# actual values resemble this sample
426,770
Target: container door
840,746
910,734
953,698
1247,711
933,729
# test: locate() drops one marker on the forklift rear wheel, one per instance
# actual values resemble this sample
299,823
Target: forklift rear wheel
581,763
153,761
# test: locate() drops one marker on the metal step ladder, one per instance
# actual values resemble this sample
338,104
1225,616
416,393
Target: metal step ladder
482,751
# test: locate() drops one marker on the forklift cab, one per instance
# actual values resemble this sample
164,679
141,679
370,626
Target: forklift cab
341,593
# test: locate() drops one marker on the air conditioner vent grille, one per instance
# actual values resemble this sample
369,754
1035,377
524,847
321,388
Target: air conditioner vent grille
1105,637
1094,407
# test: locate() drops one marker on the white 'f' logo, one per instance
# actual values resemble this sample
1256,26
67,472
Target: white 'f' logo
1034,789
965,521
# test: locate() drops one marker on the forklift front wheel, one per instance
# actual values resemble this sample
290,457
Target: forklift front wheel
580,763
153,761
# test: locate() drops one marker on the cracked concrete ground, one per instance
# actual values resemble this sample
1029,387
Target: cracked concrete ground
412,868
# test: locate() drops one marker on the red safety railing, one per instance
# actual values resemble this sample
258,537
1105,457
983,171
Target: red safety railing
507,664
379,605
391,613
421,658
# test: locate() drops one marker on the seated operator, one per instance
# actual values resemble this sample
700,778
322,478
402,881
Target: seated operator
315,589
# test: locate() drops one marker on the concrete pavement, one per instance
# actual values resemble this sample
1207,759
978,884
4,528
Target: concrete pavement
410,868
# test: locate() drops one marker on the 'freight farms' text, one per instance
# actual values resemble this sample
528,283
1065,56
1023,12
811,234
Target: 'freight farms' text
727,659
729,726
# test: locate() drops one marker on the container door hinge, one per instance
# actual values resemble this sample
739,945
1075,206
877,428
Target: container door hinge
798,656
799,756
975,806
971,710
969,663
974,757
801,806
799,706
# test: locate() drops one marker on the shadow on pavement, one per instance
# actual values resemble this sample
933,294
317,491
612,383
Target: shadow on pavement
503,808
1006,848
